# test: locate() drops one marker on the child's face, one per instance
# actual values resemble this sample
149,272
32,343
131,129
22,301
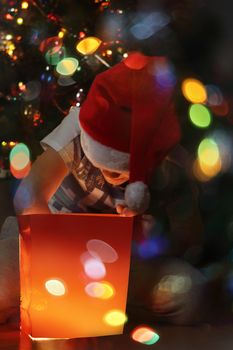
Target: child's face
115,178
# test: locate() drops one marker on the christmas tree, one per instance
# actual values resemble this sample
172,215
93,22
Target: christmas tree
51,50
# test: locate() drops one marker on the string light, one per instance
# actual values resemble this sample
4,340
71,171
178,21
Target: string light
24,5
19,21
200,116
89,45
194,91
9,37
62,33
67,66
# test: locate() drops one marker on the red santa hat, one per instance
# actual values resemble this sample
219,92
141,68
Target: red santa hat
128,123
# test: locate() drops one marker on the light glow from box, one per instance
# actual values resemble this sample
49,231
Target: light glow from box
55,287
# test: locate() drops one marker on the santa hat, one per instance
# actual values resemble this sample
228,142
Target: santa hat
128,123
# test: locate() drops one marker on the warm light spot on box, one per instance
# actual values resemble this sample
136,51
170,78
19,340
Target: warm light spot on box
55,287
102,250
101,290
115,318
94,268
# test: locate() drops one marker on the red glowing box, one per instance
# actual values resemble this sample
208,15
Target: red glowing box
74,271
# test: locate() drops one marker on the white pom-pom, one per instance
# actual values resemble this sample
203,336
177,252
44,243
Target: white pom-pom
137,196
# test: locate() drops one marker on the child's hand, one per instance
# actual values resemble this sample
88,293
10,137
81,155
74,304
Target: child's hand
125,211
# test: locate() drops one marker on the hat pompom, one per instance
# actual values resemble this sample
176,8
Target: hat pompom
137,196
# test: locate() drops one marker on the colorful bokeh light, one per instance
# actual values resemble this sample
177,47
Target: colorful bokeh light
24,5
208,152
19,148
145,335
215,97
100,290
94,269
209,162
194,91
148,24
222,109
53,50
19,21
102,250
20,161
115,318
203,172
88,45
67,66
200,115
56,57
55,287
51,45
20,174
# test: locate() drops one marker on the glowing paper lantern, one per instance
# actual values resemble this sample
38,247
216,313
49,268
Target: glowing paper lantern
200,116
194,91
60,298
145,335
88,46
67,66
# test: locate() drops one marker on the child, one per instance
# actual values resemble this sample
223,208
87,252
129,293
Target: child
103,157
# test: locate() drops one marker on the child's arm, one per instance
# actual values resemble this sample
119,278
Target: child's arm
36,189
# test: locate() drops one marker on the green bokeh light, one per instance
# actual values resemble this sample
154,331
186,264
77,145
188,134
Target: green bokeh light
153,340
67,66
19,148
208,151
54,57
200,115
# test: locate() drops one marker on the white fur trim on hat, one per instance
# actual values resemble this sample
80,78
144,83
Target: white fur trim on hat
137,196
103,156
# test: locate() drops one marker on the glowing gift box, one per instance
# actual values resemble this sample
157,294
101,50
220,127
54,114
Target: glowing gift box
74,271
